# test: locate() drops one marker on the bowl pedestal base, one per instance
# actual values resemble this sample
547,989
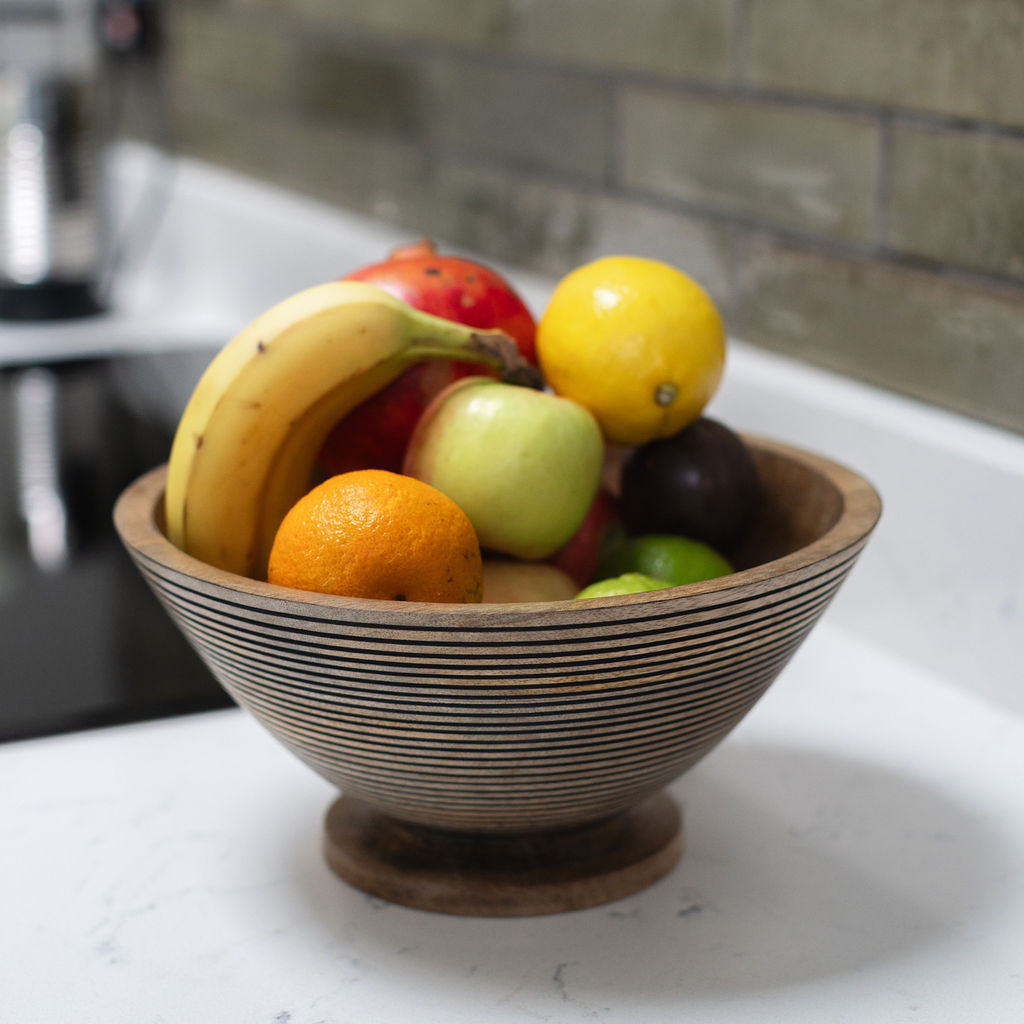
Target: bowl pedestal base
498,875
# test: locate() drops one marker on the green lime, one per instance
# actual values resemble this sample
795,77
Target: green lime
664,556
627,583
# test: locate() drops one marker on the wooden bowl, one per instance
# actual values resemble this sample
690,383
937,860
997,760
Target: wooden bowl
511,759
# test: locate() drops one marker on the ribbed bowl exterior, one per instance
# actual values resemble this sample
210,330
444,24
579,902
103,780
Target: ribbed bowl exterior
494,718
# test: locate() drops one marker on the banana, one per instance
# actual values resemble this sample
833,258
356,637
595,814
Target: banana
247,442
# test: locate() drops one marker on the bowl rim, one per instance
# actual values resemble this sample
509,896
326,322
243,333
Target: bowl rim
136,523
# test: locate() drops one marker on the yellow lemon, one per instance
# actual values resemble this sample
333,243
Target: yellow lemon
637,342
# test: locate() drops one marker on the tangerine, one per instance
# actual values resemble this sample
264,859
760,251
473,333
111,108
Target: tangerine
377,534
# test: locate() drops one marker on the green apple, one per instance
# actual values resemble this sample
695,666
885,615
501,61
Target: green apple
524,465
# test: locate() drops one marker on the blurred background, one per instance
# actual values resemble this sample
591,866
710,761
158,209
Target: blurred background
845,176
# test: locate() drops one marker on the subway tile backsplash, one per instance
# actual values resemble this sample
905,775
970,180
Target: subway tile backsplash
847,179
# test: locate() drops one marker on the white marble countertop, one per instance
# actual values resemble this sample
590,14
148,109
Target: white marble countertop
854,852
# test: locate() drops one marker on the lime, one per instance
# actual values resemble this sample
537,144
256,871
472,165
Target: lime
627,583
679,560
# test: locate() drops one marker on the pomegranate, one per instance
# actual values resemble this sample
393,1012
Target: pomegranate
374,435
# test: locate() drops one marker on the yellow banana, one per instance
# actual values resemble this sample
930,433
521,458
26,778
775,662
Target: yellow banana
247,441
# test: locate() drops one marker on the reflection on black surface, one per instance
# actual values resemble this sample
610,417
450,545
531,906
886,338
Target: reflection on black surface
87,644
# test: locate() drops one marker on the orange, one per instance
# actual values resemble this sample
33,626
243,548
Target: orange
372,533
637,342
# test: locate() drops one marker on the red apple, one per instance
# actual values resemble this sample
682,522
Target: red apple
375,435
580,556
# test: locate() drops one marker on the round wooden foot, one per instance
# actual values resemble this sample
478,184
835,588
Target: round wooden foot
494,875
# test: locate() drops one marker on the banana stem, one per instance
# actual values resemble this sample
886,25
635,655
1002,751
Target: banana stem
514,368
492,348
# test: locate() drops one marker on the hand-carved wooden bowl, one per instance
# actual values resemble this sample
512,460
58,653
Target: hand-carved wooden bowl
511,759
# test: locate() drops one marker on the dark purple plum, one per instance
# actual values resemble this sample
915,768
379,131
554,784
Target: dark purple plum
700,483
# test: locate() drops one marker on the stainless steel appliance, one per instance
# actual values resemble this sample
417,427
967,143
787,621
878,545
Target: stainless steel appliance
52,228
82,643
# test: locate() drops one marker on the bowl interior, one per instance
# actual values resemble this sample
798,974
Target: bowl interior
801,504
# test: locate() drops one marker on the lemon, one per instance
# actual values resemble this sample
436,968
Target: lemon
679,560
637,342
627,583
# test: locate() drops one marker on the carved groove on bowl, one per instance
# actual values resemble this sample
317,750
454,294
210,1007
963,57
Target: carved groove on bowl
516,718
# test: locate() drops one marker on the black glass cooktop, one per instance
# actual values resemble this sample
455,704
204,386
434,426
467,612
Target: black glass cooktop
83,642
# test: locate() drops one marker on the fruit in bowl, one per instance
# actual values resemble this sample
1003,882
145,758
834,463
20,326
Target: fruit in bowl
246,446
581,554
700,482
512,581
675,559
637,342
624,583
505,759
525,465
496,758
375,434
375,534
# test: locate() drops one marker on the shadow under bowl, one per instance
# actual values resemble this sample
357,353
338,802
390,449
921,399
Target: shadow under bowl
510,759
